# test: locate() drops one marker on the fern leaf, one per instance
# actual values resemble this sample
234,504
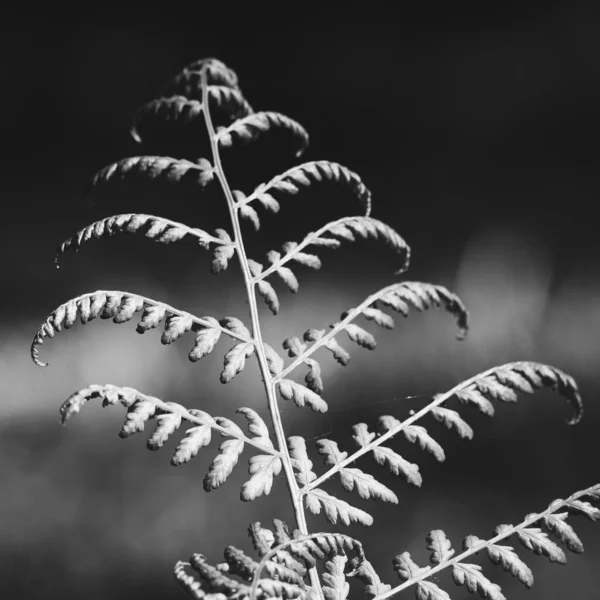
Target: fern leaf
451,419
335,585
303,175
534,539
158,229
361,434
335,509
170,169
245,210
286,274
168,423
440,547
236,327
313,378
227,458
300,461
373,584
265,289
195,438
502,383
188,82
295,346
274,360
187,579
340,354
374,314
223,253
470,575
506,557
366,485
263,467
416,433
584,508
407,570
557,524
235,360
206,340
138,414
398,465
230,99
249,127
360,336
301,396
256,425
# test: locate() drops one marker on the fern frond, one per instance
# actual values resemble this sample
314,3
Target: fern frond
346,228
300,550
470,575
521,376
291,180
158,229
243,566
122,306
249,127
503,382
170,169
399,296
169,416
188,81
180,110
174,109
203,580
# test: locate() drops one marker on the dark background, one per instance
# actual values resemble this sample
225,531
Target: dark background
477,132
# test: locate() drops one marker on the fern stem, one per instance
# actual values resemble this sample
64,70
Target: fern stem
554,507
268,380
440,399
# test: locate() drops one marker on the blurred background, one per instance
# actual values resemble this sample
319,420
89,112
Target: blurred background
477,132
